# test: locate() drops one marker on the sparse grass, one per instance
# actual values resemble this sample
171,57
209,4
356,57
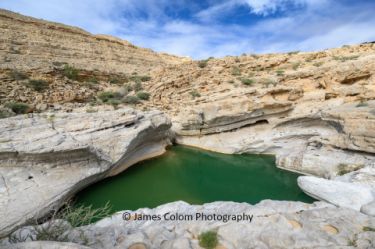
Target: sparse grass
38,85
293,52
236,71
105,97
194,93
57,228
131,100
18,107
247,81
140,78
93,80
296,65
115,81
71,72
17,75
208,240
280,72
5,113
344,168
368,229
267,82
318,64
345,58
202,63
143,95
362,104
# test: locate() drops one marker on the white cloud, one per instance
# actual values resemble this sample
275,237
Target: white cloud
317,25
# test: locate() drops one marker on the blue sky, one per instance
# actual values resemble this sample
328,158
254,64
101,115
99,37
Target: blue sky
204,28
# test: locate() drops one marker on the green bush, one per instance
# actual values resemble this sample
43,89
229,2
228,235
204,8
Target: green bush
17,75
131,100
114,102
17,107
93,80
279,72
107,96
202,63
194,93
140,78
368,229
38,85
70,72
143,95
247,81
208,239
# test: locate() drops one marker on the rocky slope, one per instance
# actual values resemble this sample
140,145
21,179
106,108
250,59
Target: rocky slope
47,158
38,50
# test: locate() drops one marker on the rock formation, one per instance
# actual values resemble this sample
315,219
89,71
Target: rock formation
275,224
46,158
315,111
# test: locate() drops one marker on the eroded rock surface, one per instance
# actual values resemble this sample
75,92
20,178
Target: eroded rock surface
45,158
275,224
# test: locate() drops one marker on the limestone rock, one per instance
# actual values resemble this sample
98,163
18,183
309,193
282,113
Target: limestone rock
275,224
343,194
46,158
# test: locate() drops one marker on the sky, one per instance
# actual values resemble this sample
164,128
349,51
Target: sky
205,28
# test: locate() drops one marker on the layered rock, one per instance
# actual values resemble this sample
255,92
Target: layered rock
46,158
274,224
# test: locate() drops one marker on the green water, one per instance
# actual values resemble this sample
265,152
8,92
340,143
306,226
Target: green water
195,176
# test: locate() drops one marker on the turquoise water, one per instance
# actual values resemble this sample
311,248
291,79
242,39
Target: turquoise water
195,176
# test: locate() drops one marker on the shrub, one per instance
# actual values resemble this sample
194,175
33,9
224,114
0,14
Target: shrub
194,93
237,60
17,107
247,81
345,58
208,239
70,72
279,72
236,71
38,85
202,63
368,229
131,100
114,102
137,78
137,86
93,80
293,52
107,96
57,227
143,95
318,64
296,65
362,104
17,75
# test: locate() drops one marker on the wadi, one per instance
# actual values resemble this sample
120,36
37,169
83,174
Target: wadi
79,110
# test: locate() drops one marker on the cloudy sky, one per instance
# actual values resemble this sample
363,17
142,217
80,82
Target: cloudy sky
204,28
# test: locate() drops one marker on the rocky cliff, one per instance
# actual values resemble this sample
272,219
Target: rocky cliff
47,158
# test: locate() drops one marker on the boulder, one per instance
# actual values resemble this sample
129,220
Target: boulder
342,194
